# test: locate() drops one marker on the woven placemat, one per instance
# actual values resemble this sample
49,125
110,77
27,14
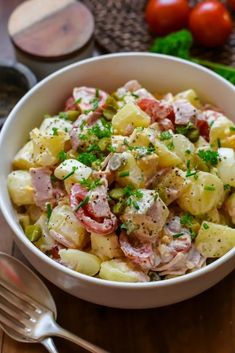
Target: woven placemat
120,27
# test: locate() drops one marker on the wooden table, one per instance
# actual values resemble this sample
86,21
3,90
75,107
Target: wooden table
204,324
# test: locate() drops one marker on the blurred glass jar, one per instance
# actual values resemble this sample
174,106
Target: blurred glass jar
48,35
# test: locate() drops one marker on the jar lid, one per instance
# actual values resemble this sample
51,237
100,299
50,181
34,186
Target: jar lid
51,29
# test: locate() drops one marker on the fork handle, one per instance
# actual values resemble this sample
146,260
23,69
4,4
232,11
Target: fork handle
60,332
49,345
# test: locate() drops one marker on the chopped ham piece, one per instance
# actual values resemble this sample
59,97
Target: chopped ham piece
132,85
41,180
61,239
182,263
159,111
70,104
184,112
95,214
141,254
89,98
146,218
205,119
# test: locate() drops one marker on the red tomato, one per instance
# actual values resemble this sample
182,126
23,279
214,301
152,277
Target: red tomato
231,3
165,16
210,23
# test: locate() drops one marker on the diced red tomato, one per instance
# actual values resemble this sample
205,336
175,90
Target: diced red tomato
204,128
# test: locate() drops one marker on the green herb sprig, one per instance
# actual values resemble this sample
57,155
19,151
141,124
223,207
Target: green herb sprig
179,44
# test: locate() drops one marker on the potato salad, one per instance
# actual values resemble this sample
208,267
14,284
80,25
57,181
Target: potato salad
131,186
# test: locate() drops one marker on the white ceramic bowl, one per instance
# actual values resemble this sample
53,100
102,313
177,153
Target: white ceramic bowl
157,73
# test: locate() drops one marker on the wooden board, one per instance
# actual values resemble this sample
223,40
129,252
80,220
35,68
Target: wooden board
52,30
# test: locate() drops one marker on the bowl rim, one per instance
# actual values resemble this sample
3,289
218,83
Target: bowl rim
57,266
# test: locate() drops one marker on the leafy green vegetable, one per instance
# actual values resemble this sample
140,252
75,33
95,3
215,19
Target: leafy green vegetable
179,44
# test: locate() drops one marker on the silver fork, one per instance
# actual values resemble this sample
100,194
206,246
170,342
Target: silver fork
30,319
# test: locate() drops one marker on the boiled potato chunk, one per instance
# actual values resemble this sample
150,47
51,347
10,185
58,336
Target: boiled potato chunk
221,130
120,270
64,222
214,240
80,261
226,166
191,96
52,125
203,194
46,147
20,187
201,142
132,115
105,246
182,147
167,158
78,170
230,205
143,137
173,182
129,172
24,157
117,142
148,165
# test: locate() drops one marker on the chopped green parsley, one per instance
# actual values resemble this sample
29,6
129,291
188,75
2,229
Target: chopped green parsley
186,220
63,115
49,210
205,226
71,173
62,156
209,157
165,135
55,131
123,174
87,158
82,203
227,187
90,184
209,188
77,101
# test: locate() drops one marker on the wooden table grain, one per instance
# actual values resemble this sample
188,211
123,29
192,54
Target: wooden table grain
203,324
